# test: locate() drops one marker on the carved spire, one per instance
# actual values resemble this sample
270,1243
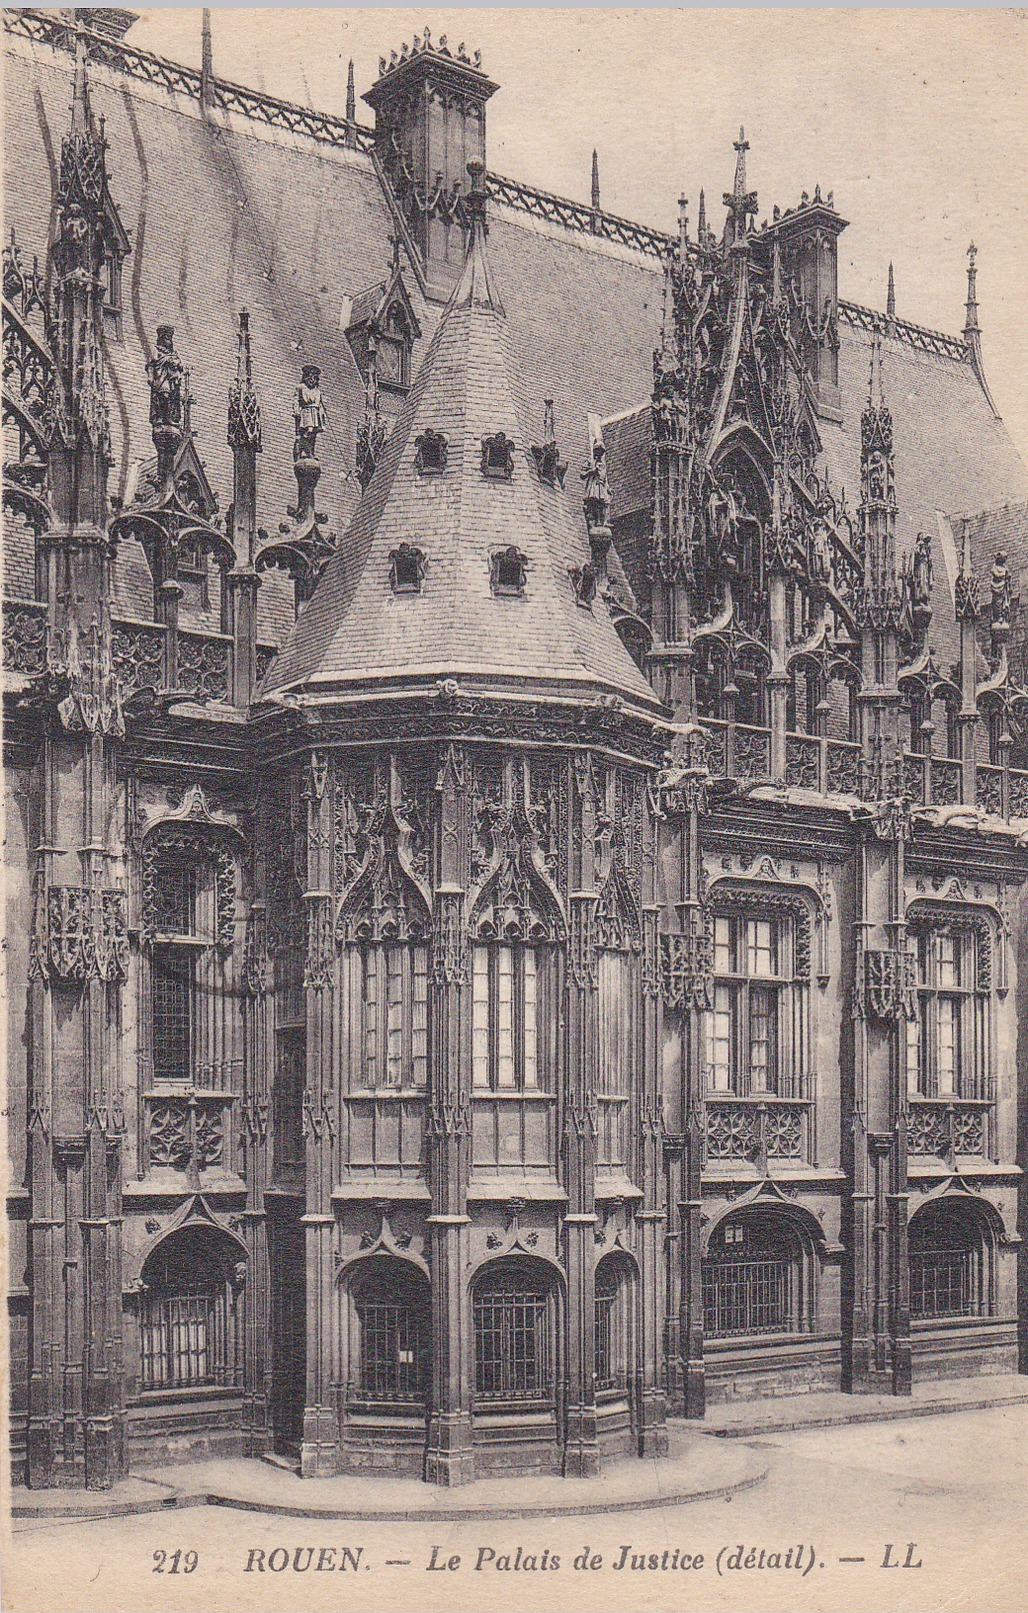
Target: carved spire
476,287
683,229
351,94
80,438
890,300
206,61
596,182
878,498
741,203
972,330
701,219
244,439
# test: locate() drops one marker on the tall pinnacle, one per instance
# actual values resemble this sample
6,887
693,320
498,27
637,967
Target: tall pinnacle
972,330
351,95
890,301
741,147
596,182
206,61
971,327
81,119
475,287
741,203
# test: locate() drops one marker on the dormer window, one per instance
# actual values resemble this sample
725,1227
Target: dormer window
507,572
498,457
584,582
430,459
406,569
394,349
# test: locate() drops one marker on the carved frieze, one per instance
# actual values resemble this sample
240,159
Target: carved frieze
886,985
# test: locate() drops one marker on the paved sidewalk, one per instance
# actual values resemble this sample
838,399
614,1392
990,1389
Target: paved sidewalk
745,1419
697,1470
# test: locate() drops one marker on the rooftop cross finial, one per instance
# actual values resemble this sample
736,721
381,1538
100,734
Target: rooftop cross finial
596,182
741,146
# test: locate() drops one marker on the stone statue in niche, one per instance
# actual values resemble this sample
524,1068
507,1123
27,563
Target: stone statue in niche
167,379
309,415
921,572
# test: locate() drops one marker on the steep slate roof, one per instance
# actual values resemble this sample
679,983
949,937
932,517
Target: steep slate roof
355,632
231,211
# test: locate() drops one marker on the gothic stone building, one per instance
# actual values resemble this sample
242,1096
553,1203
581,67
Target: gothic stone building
516,744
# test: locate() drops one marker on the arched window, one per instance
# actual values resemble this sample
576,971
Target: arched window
612,1329
187,1312
948,1264
394,349
392,1306
752,1278
514,1315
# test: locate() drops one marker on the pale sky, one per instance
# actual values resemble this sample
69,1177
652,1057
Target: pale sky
916,119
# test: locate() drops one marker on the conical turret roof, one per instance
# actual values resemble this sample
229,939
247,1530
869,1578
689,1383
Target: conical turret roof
356,632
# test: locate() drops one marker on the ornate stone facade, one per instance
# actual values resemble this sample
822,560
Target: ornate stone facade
556,962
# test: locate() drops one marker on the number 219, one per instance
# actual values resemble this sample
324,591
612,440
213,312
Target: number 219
175,1562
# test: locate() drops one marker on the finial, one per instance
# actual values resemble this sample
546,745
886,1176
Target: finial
596,182
475,287
351,95
874,380
81,121
701,220
683,227
890,301
971,323
741,146
206,60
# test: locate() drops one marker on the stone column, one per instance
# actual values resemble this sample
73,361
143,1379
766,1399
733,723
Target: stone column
319,1452
651,1404
449,1457
581,1453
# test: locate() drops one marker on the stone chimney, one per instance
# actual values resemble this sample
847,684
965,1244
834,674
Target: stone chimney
429,104
809,240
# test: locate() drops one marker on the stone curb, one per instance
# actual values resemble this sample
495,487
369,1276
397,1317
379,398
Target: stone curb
182,1499
882,1414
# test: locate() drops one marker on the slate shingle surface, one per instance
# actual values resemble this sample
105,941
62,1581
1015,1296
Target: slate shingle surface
356,631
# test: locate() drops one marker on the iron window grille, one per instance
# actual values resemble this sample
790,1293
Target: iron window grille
947,1268
513,1353
392,1343
186,1317
947,1040
755,1031
610,1356
750,1282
